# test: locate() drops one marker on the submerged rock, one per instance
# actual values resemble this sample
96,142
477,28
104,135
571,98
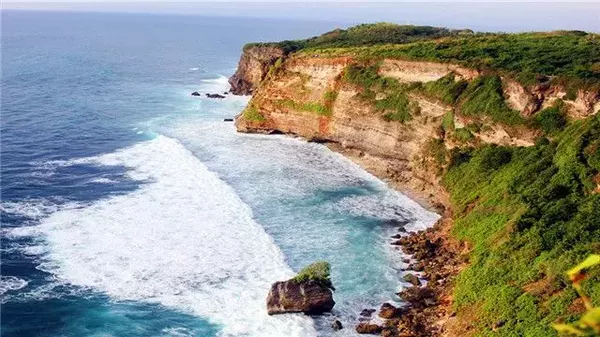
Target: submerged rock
310,292
214,95
337,325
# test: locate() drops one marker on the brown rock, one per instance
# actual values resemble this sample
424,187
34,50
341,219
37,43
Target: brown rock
309,297
412,279
368,328
419,297
253,67
388,311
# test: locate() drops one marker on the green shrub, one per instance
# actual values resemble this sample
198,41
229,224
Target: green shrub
314,107
446,89
448,122
463,135
492,157
551,119
316,271
252,114
397,107
484,96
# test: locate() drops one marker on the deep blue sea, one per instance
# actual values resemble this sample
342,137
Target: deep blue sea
129,208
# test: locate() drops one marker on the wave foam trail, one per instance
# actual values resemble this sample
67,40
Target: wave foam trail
184,240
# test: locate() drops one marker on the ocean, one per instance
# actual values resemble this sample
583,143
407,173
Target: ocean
130,208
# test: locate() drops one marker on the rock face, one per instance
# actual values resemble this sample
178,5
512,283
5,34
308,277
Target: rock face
309,297
253,67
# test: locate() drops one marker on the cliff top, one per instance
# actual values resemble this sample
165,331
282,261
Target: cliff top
570,58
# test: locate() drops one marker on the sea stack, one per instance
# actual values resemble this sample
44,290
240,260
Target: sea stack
310,292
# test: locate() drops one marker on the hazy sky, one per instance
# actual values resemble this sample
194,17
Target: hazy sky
478,15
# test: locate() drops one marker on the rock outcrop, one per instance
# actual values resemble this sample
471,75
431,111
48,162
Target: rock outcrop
253,67
309,297
309,292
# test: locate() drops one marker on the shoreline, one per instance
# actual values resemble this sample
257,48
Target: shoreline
439,257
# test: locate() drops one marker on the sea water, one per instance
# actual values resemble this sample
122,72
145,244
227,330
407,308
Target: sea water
129,208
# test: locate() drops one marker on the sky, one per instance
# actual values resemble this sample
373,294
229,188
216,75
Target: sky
508,16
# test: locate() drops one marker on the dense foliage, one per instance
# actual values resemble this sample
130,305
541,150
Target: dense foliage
530,214
571,57
484,96
365,35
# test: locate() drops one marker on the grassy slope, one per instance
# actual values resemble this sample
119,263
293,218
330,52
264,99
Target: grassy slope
530,215
572,57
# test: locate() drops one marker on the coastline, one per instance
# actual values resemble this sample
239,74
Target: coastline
435,254
438,256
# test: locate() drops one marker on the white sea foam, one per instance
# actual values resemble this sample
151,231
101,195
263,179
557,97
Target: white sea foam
102,180
184,240
8,283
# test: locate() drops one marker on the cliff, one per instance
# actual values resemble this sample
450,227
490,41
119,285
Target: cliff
309,95
252,68
508,146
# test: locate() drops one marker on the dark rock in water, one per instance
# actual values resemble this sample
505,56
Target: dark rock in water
368,328
195,93
309,296
227,119
412,279
226,93
388,311
337,325
214,95
367,312
396,236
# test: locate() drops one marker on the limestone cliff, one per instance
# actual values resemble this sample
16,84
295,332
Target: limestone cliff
252,68
306,95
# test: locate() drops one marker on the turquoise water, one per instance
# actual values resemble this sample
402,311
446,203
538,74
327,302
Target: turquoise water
129,208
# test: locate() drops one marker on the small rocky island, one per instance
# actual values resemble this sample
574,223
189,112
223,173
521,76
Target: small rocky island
309,292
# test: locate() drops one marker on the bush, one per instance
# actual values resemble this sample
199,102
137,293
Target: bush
446,89
493,157
463,135
448,122
551,119
316,271
484,96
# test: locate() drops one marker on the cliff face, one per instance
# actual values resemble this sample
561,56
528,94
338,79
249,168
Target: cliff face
306,95
252,68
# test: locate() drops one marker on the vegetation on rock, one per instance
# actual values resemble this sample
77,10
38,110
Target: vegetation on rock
316,271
